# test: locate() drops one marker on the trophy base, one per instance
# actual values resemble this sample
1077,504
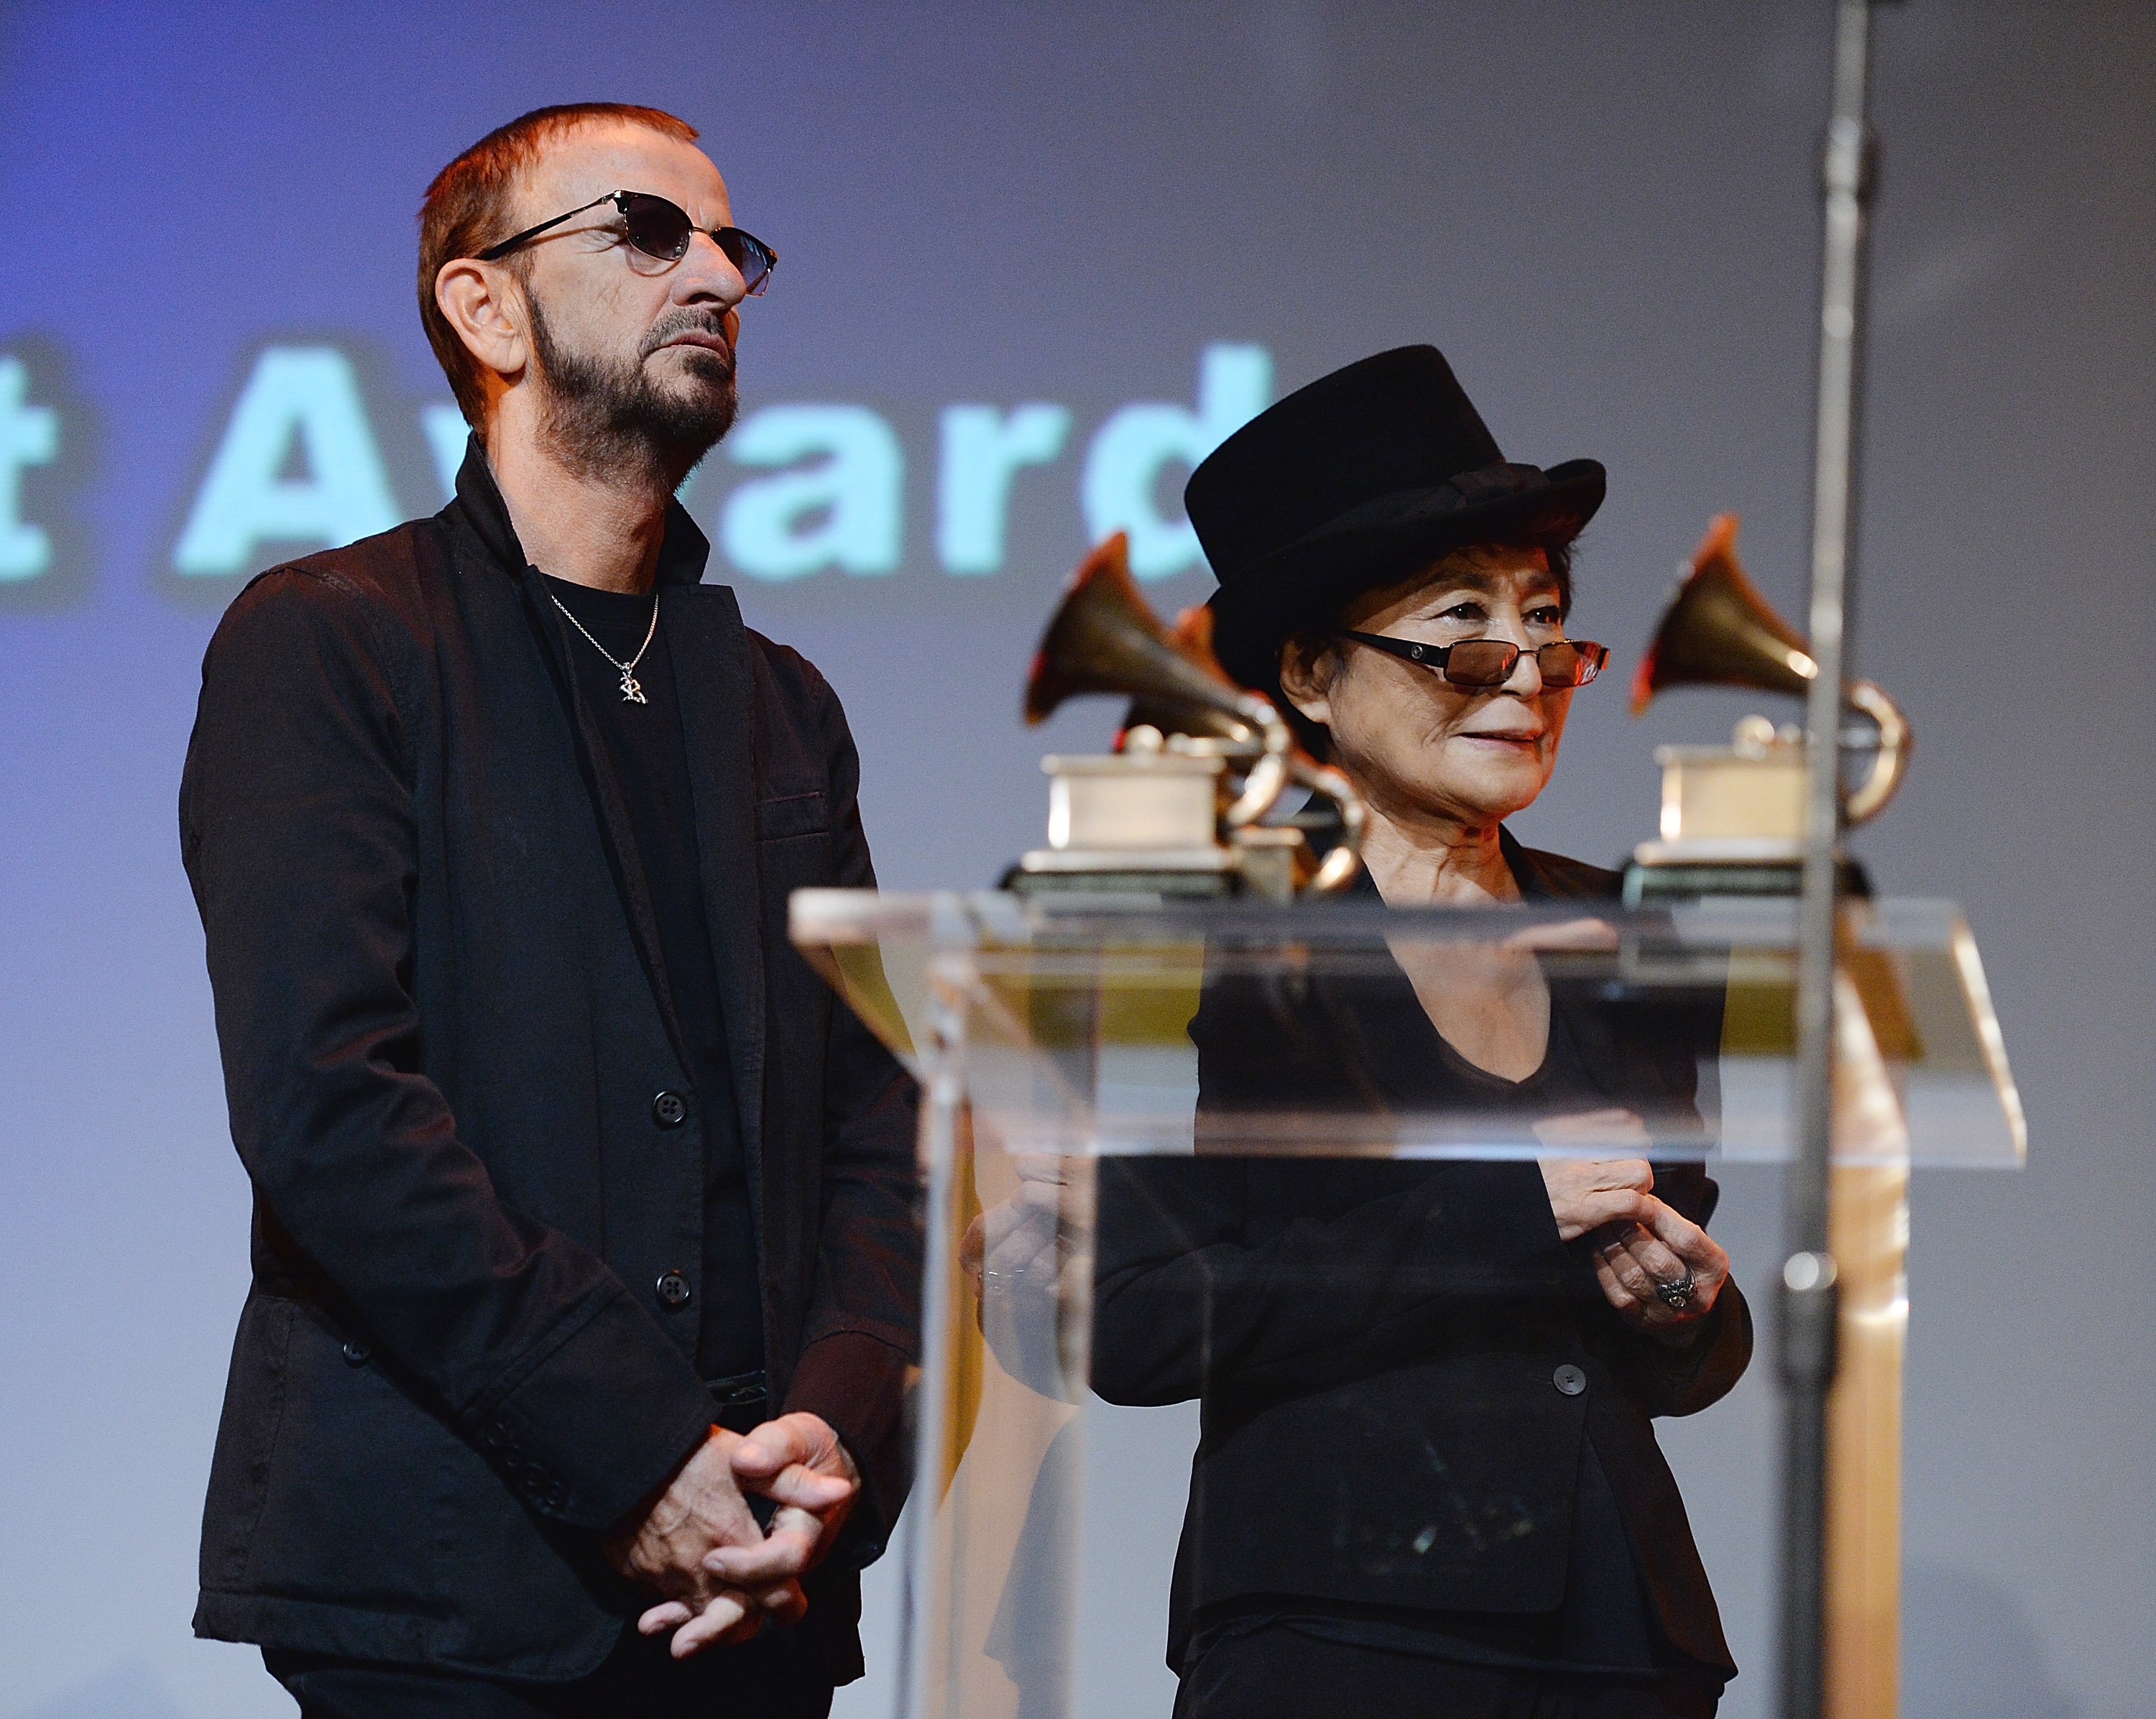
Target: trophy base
1127,879
1667,874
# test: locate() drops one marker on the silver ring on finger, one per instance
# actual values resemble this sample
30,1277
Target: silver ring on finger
1677,1296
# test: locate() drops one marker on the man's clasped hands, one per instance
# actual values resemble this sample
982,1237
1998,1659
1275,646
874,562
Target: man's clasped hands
698,1545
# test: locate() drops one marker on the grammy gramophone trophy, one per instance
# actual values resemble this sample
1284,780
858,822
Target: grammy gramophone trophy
1733,817
1733,824
1179,808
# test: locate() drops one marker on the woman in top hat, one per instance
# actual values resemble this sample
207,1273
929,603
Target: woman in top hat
1427,1481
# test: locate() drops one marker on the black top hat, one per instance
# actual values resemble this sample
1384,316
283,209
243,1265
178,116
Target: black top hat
1354,482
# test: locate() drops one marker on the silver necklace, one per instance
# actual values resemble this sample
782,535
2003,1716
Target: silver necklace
631,692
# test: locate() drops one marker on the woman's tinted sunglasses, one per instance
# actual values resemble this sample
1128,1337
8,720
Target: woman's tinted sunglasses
1490,662
661,230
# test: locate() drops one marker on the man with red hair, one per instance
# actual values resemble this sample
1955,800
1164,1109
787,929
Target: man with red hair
586,1259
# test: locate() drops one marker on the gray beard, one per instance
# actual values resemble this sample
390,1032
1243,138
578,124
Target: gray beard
608,421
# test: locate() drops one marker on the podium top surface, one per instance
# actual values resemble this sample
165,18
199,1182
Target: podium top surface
1074,1024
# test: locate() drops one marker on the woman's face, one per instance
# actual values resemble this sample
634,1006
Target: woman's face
1415,744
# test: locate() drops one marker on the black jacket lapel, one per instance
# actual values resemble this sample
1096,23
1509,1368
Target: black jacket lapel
713,678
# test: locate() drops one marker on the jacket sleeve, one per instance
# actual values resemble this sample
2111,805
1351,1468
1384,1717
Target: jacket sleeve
863,1331
1683,1381
298,833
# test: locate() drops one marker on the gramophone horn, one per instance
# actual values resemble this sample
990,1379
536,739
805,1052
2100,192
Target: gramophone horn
1103,638
1719,631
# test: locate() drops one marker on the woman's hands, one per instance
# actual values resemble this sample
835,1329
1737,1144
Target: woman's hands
1632,1263
1587,1194
1640,1245
1029,1259
1039,1238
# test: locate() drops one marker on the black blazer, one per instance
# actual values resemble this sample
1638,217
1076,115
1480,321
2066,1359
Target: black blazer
1390,1355
443,1021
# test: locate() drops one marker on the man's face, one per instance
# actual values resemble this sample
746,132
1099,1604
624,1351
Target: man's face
634,356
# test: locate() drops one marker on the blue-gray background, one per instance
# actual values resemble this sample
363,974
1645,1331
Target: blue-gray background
1604,212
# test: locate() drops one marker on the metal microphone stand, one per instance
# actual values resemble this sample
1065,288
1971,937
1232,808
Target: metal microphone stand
1809,1299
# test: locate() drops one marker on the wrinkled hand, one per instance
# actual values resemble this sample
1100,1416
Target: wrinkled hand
798,1462
702,1508
1030,1236
1630,1259
1029,1259
1586,1193
1638,1241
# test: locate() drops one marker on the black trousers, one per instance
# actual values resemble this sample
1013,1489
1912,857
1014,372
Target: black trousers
772,1677
1278,1673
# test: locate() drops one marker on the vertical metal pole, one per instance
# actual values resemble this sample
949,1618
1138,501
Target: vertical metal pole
925,1661
1809,1302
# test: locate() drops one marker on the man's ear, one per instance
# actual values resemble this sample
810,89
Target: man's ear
1307,671
481,300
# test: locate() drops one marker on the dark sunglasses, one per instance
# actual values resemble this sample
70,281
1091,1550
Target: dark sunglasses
661,230
1490,662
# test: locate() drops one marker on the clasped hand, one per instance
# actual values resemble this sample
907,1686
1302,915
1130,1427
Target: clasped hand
1639,1243
699,1544
1039,1236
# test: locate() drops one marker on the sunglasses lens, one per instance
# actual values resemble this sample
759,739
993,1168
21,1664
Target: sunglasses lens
1481,662
1581,662
656,226
1560,663
748,253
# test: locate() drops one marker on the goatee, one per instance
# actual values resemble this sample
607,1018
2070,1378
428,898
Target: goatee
610,420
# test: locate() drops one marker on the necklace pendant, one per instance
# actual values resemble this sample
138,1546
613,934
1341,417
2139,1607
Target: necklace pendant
631,692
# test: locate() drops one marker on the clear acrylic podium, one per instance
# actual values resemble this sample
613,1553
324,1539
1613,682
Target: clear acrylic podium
1052,1035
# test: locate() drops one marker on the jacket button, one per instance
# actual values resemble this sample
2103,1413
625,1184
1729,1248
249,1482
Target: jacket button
1569,1379
669,1110
356,1352
673,1289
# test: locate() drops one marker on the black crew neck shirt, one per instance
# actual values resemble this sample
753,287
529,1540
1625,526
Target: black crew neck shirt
650,762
